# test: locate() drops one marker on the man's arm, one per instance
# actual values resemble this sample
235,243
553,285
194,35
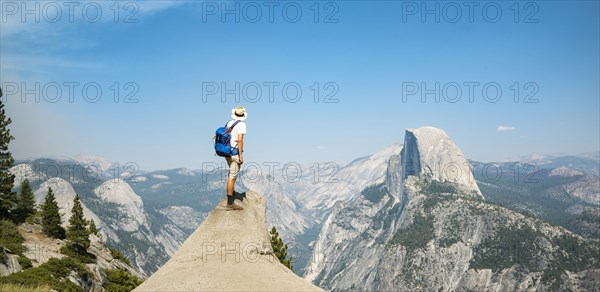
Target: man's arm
241,147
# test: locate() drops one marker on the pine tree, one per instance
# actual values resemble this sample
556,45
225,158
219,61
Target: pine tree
25,203
92,227
8,198
51,217
78,233
280,249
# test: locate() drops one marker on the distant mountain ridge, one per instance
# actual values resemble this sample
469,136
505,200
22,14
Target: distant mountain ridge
586,162
147,236
176,201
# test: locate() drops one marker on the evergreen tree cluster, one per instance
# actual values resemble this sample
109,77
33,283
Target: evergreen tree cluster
280,249
118,280
416,235
8,198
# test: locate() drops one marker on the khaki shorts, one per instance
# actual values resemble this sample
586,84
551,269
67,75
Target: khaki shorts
234,166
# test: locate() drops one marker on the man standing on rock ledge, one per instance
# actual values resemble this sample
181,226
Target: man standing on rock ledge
235,161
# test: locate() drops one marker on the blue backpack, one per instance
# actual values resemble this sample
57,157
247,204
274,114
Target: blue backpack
222,138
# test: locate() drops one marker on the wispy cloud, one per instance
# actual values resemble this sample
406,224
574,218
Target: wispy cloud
505,128
33,16
41,42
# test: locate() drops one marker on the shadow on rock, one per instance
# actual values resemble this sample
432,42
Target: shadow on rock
239,196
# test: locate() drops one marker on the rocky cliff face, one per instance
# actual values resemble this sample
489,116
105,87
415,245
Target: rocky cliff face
429,152
40,249
583,187
146,215
298,207
127,202
231,250
128,225
9,263
116,209
64,193
562,195
339,183
429,229
283,211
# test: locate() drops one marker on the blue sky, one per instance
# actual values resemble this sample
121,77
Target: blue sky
373,51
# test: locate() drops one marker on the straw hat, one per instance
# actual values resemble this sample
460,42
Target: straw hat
239,113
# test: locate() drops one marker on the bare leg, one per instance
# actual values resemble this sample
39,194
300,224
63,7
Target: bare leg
230,184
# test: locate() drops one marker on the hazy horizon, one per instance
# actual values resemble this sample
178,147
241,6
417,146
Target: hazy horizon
79,156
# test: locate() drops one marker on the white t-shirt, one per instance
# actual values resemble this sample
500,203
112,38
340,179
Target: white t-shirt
240,128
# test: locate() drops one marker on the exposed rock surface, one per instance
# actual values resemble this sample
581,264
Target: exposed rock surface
231,250
430,230
40,248
430,152
129,204
283,211
64,193
584,187
147,235
335,183
299,205
9,263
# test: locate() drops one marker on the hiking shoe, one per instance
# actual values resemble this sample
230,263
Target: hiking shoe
233,207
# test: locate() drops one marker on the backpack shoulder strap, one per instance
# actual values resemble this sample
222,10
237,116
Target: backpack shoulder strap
229,129
235,123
